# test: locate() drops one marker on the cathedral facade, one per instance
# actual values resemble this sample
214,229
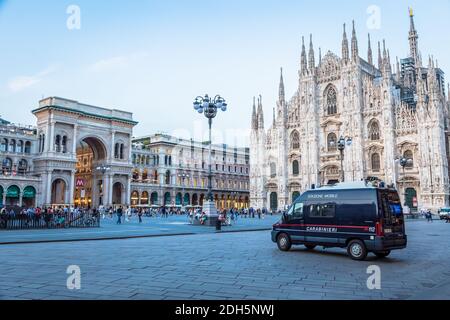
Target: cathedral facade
387,111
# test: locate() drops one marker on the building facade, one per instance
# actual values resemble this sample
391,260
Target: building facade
389,111
174,172
83,155
77,154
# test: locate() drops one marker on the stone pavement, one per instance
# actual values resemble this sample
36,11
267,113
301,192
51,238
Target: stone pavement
224,266
174,225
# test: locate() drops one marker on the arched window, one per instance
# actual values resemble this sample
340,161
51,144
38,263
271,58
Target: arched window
12,145
167,177
4,145
145,175
7,165
331,100
295,168
122,152
64,144
28,147
23,166
332,142
58,143
376,162
374,131
116,151
155,176
19,146
295,140
136,175
273,170
410,156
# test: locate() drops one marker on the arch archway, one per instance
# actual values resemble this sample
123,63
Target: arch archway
59,188
91,187
29,197
154,198
118,192
274,201
12,196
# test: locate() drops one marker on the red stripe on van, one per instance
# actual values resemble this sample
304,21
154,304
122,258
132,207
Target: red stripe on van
323,226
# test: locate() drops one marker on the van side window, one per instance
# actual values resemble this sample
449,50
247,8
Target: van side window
298,210
322,210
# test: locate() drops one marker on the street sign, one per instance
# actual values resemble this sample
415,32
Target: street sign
80,183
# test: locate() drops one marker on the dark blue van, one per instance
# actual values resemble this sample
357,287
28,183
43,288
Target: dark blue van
356,216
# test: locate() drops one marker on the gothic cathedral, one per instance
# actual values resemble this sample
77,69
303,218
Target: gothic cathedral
388,112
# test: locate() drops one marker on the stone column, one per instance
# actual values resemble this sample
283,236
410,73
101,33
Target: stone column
4,197
113,144
48,188
74,144
20,199
106,201
51,138
110,188
126,193
72,187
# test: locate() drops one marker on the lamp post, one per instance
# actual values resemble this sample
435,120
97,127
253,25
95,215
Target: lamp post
103,169
209,107
341,145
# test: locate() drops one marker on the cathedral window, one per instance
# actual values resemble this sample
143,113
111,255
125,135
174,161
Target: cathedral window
410,156
295,168
374,131
273,170
376,162
332,142
295,140
331,100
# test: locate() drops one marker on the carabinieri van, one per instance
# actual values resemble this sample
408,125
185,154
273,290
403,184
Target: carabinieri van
356,216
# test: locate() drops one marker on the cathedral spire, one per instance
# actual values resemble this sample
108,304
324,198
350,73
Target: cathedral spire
369,53
281,92
380,59
274,118
345,55
260,113
304,66
311,62
413,37
355,54
320,56
254,116
398,73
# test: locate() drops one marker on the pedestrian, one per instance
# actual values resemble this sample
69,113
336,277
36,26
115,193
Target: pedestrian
119,215
429,216
127,214
140,216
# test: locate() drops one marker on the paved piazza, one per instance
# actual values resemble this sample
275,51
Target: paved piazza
244,265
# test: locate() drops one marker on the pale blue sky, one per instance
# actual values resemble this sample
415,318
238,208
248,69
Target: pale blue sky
153,57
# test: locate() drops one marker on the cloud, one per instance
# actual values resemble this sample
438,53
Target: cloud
117,62
21,83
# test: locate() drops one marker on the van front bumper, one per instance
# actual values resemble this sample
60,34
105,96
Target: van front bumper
384,244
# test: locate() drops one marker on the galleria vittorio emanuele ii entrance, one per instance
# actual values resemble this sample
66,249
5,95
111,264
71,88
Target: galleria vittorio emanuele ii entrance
84,154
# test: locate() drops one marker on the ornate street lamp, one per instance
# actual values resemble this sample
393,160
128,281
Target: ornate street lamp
183,176
209,107
341,145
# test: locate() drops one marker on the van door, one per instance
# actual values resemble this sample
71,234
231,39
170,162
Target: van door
391,214
295,222
321,223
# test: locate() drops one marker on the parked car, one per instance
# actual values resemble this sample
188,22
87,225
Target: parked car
444,213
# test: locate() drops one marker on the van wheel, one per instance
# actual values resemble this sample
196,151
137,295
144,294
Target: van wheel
357,250
284,242
310,246
382,254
